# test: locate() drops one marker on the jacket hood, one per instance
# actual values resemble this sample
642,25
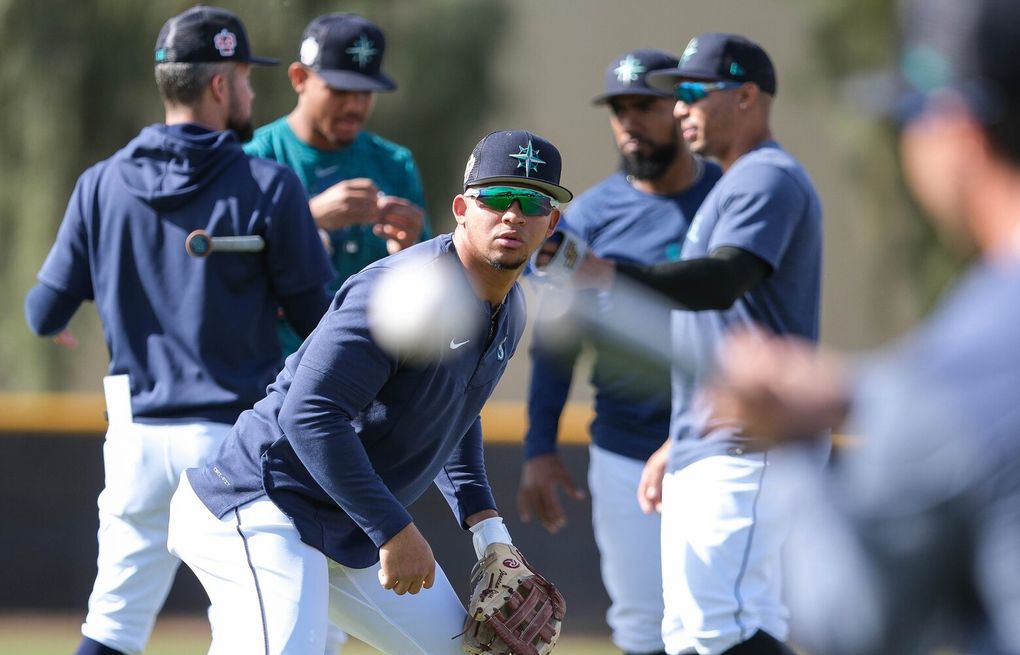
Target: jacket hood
167,164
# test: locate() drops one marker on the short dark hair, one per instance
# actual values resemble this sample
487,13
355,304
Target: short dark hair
183,83
998,67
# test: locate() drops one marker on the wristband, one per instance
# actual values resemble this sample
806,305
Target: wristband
489,531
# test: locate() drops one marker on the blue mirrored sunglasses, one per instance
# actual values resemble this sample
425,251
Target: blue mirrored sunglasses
499,198
690,92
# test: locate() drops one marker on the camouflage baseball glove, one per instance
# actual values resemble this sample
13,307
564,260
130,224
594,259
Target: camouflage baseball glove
513,609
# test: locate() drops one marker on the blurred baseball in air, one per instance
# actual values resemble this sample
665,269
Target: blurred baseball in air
423,308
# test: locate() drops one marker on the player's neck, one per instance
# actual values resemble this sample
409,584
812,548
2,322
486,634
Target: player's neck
743,143
684,171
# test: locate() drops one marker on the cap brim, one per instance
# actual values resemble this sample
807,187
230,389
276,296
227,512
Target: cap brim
342,80
666,80
558,193
262,61
639,91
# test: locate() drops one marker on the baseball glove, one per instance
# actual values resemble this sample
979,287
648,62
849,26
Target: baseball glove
513,609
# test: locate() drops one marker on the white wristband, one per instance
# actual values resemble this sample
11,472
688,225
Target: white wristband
489,531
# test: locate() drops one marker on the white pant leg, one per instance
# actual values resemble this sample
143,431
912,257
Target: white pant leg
426,623
629,546
722,531
135,571
269,590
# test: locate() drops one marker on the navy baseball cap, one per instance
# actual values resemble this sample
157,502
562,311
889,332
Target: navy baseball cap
628,74
205,34
346,51
516,157
717,56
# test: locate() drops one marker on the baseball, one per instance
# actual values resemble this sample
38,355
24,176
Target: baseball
418,306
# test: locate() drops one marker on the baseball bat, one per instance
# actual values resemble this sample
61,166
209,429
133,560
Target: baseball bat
201,244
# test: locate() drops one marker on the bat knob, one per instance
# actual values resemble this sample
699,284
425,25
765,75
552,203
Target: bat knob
198,244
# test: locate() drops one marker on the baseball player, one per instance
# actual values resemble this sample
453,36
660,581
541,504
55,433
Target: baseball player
752,255
301,515
640,214
365,192
192,340
914,548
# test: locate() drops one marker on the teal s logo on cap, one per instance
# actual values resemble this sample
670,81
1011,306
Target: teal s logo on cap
629,70
737,70
528,158
362,51
689,51
161,55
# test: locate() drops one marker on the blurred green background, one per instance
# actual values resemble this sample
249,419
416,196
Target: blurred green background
77,85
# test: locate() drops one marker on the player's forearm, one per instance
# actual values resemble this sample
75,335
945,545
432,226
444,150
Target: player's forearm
463,481
706,283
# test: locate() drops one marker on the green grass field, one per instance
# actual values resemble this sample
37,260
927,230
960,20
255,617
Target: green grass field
45,634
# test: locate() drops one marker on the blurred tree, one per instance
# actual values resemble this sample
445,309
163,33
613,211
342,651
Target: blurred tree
854,39
77,81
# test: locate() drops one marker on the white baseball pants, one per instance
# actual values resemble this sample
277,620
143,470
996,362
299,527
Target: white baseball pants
629,549
724,520
143,463
273,594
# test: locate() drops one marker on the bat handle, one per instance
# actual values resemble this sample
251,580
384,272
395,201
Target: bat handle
201,244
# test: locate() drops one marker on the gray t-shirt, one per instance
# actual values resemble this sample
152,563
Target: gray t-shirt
765,204
919,543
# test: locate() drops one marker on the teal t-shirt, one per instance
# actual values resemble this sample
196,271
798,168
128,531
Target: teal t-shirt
388,164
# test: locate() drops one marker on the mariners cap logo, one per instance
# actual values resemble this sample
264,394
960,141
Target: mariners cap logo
690,51
225,42
527,158
362,51
629,70
309,51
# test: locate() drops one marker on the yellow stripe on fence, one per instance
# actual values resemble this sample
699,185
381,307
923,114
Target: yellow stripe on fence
84,414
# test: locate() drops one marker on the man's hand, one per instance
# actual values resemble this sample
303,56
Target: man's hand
538,495
348,202
649,491
406,563
65,338
400,222
777,388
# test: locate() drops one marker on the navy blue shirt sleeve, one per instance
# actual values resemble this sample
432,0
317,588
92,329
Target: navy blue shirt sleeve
297,261
339,374
463,481
762,215
552,370
48,310
67,266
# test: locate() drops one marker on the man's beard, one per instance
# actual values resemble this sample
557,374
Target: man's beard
242,127
653,165
506,266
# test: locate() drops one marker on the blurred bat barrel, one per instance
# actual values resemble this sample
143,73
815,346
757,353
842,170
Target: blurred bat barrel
201,244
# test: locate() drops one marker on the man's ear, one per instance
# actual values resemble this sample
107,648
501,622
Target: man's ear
460,209
298,75
554,219
747,95
219,87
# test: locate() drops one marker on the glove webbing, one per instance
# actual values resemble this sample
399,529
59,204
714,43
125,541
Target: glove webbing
533,612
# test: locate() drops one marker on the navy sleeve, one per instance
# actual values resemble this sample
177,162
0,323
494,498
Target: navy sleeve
762,215
463,480
340,372
304,309
552,369
48,310
68,266
297,261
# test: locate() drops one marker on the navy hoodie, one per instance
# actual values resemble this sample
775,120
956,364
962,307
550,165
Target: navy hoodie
197,336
